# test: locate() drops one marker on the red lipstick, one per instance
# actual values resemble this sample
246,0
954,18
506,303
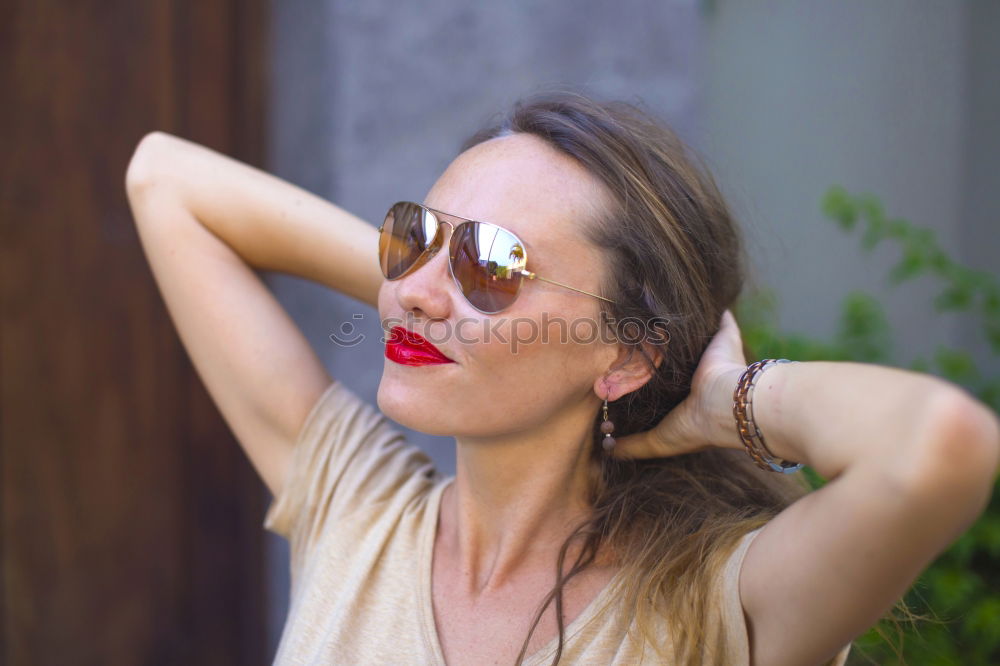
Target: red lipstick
408,348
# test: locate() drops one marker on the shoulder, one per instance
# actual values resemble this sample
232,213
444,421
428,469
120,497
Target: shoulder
728,606
727,598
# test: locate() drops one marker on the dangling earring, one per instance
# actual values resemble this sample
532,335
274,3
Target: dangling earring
607,427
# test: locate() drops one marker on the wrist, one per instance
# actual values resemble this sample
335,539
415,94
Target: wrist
722,430
768,409
745,411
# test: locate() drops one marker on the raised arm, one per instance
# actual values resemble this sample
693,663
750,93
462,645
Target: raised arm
911,461
206,222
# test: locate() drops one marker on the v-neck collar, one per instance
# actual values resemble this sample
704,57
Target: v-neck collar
428,535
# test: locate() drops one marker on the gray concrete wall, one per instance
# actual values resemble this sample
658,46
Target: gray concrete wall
979,235
370,101
897,98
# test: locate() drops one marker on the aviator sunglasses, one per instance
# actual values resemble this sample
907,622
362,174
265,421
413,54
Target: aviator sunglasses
486,261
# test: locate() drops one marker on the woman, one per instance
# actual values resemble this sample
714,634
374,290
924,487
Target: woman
611,504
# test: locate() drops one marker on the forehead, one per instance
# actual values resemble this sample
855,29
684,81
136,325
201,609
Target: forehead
523,184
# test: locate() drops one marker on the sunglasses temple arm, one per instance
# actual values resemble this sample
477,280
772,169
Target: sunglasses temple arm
534,276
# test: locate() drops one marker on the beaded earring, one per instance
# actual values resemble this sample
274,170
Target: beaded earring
607,427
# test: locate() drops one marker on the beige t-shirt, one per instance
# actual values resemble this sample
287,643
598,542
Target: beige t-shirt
359,507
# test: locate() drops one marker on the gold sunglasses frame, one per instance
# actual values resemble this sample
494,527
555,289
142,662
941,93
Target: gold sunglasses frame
436,246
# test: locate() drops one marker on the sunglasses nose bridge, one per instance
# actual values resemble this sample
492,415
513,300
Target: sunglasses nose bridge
439,236
440,241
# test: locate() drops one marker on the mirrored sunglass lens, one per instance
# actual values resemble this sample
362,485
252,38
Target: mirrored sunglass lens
407,232
486,262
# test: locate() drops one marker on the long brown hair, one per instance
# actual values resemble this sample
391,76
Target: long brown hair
674,253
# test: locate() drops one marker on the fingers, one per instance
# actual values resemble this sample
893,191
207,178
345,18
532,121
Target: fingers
668,438
728,328
727,344
648,445
637,446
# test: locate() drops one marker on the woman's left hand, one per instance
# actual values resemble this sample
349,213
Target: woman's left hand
705,418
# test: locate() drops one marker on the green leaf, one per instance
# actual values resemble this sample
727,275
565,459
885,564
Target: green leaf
898,229
991,300
871,208
963,549
986,532
874,234
993,336
957,366
864,330
952,586
939,261
911,265
955,297
924,238
838,205
982,624
990,394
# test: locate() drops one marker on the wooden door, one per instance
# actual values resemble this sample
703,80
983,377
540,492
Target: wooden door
131,520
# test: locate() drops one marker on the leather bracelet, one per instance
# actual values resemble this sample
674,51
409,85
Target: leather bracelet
750,435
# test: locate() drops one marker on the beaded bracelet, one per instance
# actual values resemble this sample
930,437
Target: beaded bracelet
750,435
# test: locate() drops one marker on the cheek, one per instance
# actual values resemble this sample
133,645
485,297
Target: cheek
557,340
544,364
385,292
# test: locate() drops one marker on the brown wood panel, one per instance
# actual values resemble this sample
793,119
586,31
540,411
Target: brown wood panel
130,517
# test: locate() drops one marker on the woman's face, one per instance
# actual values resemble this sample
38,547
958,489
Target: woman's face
507,376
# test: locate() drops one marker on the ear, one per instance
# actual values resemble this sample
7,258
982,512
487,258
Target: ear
629,372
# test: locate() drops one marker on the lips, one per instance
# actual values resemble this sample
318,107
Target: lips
408,348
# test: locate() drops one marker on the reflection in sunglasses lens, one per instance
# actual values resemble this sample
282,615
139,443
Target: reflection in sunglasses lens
485,261
407,232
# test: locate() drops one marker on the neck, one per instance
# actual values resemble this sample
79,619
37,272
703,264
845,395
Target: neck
516,498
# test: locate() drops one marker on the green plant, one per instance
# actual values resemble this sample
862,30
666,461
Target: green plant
961,589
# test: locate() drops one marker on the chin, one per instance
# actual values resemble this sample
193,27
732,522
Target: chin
406,407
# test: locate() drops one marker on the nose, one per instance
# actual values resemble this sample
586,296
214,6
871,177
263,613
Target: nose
428,291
